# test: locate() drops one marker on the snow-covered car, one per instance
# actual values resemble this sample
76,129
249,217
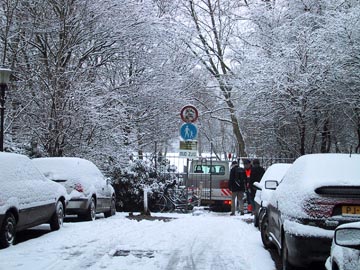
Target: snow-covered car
27,198
272,174
318,193
345,248
90,192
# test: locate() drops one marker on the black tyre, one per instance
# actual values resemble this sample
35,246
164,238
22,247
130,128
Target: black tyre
153,203
7,231
256,220
112,210
153,206
264,230
57,218
163,204
90,214
260,217
284,257
335,266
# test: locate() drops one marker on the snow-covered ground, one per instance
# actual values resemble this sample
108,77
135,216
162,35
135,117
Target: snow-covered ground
204,241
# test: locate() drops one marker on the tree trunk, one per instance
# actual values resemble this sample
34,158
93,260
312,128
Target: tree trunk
212,58
325,138
237,132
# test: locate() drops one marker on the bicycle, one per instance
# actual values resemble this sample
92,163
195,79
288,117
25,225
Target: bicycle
173,199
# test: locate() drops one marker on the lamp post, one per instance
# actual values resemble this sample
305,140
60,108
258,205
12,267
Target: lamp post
4,80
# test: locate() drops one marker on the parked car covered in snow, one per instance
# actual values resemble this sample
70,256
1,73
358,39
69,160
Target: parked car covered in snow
27,198
345,248
90,192
273,176
318,193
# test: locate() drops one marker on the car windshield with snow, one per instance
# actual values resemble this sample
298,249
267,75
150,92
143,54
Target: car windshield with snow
274,173
90,192
318,193
27,198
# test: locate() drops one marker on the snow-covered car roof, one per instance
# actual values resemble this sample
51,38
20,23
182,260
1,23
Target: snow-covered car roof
315,170
274,172
13,166
69,168
312,171
74,171
321,169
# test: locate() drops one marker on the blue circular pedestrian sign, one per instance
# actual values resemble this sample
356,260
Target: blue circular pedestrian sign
188,132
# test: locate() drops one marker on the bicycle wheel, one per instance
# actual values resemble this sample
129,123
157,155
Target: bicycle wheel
155,205
162,204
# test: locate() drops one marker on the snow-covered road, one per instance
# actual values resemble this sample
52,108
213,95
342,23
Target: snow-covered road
207,241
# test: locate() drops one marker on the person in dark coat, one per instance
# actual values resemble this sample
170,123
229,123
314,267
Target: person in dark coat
256,174
237,187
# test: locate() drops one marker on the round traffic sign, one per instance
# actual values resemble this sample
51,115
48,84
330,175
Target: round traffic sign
188,132
189,114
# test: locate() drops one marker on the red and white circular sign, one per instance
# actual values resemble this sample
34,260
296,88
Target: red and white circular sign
189,114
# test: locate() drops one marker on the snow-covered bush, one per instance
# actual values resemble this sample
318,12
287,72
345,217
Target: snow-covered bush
129,183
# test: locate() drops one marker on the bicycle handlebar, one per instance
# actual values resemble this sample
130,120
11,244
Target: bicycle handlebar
167,186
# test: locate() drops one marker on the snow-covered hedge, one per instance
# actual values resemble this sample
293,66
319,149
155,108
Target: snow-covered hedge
129,183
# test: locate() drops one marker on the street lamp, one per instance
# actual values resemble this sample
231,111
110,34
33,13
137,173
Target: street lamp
4,80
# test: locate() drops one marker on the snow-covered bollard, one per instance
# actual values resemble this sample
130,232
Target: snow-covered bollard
146,204
199,194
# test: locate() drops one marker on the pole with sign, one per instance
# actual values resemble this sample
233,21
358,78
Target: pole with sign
188,132
189,114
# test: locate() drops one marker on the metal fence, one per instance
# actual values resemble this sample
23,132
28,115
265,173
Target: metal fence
175,167
169,164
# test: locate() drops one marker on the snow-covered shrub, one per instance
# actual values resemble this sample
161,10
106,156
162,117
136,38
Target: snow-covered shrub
129,183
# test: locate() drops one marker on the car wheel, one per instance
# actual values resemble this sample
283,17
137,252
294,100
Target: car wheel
91,211
284,257
57,218
264,230
7,231
112,210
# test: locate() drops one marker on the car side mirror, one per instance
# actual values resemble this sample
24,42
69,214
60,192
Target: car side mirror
257,185
108,181
348,237
271,184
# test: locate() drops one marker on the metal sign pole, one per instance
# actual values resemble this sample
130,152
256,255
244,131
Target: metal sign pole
2,109
186,184
210,171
